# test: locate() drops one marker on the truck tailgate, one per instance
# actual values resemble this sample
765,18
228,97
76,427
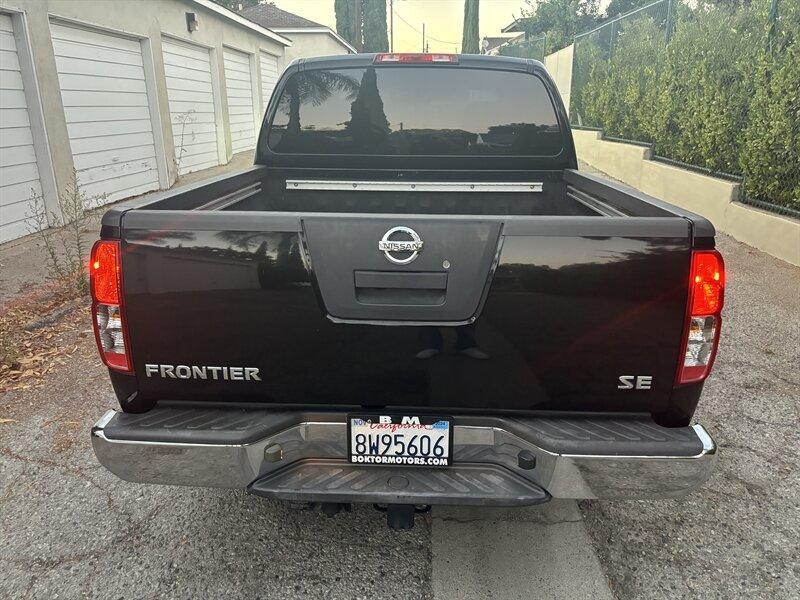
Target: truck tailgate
506,312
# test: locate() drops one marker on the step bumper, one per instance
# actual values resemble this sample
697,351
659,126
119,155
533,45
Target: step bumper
302,456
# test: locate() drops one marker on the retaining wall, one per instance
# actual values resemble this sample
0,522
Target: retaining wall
715,199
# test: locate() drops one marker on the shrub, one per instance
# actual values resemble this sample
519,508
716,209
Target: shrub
621,92
708,87
770,158
715,95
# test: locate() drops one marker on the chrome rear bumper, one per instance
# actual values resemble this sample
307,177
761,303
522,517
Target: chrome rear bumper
303,456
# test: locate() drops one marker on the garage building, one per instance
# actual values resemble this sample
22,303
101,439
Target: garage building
125,96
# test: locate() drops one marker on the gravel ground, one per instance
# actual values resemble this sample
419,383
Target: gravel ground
70,529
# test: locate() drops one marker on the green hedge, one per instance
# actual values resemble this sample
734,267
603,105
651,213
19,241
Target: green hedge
723,93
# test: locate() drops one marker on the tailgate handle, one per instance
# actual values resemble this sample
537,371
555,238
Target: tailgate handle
399,280
400,288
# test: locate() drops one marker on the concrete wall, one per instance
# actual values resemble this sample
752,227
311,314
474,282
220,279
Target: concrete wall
559,65
715,199
312,44
146,20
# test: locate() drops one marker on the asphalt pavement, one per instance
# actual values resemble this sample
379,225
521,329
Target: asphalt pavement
736,537
69,529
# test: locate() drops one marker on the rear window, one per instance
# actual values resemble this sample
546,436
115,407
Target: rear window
415,111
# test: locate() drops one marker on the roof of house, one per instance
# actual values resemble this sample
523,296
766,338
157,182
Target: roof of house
492,42
281,21
237,18
273,17
515,25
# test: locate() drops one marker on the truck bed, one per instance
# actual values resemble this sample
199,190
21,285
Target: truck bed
535,193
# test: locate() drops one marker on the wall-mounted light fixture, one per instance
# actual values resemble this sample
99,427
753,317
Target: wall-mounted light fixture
191,22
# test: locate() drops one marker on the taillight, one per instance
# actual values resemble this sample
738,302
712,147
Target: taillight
105,278
703,316
415,58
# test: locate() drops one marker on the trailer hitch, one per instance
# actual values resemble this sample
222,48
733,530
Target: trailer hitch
401,516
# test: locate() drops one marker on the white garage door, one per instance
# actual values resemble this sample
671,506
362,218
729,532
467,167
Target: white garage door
240,100
191,105
269,76
19,175
108,120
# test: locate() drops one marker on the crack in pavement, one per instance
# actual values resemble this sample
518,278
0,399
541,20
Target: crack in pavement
531,521
507,555
76,471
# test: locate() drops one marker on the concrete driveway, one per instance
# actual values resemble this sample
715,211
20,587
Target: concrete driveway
70,529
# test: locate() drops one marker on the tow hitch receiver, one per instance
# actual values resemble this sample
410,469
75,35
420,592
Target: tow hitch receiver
331,509
401,516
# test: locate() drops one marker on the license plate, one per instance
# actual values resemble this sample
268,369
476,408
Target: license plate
401,440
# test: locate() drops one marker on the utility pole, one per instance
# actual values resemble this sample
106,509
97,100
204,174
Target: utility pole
423,37
359,28
391,25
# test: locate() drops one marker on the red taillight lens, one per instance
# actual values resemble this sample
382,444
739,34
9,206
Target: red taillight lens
415,58
105,275
707,283
703,318
104,271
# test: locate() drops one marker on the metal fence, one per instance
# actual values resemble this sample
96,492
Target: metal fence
703,84
598,45
529,48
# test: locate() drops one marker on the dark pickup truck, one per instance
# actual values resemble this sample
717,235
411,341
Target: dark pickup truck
412,298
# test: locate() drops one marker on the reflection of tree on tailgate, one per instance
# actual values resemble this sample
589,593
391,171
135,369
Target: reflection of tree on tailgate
368,124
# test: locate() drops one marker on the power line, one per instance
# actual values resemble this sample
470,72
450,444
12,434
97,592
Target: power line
427,36
430,37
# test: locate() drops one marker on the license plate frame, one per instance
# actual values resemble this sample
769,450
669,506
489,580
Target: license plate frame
408,426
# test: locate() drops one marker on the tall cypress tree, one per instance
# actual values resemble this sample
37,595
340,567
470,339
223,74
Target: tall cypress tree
346,20
469,42
376,36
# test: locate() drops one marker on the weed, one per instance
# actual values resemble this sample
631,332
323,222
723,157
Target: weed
184,119
65,248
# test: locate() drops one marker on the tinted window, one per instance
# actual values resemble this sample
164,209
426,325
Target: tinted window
415,111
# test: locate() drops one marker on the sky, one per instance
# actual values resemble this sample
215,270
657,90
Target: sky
443,20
